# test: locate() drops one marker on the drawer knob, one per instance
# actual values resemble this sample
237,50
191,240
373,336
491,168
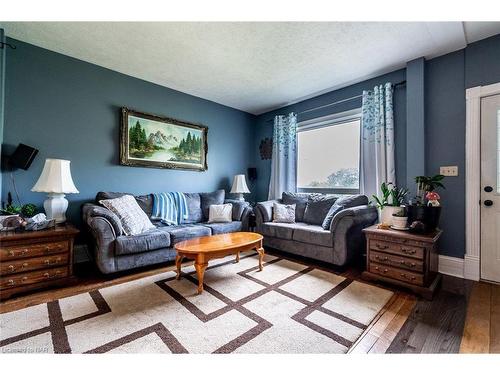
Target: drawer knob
25,278
408,251
11,282
12,253
46,274
25,265
25,251
12,268
382,246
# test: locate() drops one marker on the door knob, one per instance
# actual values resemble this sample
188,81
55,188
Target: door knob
488,189
488,202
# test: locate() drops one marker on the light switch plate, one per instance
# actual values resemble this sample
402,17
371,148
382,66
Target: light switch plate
449,171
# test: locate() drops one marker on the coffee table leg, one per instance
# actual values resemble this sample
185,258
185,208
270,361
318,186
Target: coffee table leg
178,261
238,257
261,257
200,272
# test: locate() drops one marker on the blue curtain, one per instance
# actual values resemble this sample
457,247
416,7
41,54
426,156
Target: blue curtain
284,157
377,140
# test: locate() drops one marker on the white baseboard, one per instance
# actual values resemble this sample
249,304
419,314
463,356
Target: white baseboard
451,266
471,267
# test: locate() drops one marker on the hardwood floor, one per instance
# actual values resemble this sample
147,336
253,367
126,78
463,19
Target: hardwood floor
482,326
463,317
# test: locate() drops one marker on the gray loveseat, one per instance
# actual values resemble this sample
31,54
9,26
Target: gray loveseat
339,244
113,251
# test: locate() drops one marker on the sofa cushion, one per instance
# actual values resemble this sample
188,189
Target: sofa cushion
151,240
133,219
183,232
283,213
300,201
317,208
330,215
193,201
313,234
145,201
280,230
220,213
218,228
207,199
349,201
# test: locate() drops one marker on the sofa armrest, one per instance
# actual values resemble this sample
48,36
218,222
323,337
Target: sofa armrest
91,210
105,227
245,218
238,208
346,228
264,211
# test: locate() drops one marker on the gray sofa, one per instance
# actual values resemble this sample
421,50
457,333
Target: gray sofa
113,251
342,242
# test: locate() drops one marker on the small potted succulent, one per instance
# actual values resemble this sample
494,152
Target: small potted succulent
390,202
424,215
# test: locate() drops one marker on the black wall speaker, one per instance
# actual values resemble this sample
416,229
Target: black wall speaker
23,156
252,174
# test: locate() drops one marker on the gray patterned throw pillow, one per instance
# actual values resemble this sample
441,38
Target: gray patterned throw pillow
283,213
132,217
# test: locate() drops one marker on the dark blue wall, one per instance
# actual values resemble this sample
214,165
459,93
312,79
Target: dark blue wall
2,96
264,124
69,109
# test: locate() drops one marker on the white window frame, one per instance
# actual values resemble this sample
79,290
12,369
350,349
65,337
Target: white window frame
323,122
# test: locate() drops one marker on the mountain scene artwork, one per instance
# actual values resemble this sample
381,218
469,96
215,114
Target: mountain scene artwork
162,142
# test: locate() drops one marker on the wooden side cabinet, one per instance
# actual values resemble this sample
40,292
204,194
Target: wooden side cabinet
35,259
403,259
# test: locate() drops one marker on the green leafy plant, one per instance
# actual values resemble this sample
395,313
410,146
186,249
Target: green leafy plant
26,210
389,190
426,184
429,183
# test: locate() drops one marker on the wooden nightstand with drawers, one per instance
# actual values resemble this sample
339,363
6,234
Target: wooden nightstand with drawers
403,259
36,259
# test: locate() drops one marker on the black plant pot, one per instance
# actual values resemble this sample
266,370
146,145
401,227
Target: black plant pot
428,216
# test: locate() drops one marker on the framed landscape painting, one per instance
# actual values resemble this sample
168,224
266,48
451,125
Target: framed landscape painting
152,141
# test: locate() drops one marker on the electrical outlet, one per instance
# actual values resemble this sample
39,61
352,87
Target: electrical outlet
449,171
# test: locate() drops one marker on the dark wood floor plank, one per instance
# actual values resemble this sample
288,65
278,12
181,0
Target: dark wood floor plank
435,326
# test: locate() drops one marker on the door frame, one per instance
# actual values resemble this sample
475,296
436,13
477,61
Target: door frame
472,261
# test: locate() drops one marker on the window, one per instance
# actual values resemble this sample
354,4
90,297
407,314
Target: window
328,154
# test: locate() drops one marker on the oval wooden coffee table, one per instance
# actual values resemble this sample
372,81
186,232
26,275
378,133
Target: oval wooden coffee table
202,249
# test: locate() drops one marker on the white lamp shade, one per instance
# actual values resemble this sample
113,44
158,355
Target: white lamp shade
239,185
55,178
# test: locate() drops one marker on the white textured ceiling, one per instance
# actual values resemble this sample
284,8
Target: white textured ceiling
252,66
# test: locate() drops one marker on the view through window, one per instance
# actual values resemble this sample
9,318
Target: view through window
328,157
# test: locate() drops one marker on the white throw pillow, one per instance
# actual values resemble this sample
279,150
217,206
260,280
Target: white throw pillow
134,220
283,213
220,213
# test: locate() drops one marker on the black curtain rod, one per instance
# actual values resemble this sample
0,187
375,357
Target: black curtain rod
402,83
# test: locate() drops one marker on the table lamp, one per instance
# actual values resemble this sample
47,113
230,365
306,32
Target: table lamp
56,181
239,187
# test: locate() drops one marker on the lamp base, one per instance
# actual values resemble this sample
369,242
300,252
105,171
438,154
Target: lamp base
55,207
239,197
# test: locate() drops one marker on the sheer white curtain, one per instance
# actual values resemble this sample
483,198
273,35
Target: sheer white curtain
377,140
284,157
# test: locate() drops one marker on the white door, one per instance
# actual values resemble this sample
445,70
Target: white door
490,188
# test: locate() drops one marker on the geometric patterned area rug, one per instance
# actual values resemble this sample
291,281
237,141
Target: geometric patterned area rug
289,307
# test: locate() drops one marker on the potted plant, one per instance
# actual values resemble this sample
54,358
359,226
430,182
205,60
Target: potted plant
390,202
400,219
424,215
